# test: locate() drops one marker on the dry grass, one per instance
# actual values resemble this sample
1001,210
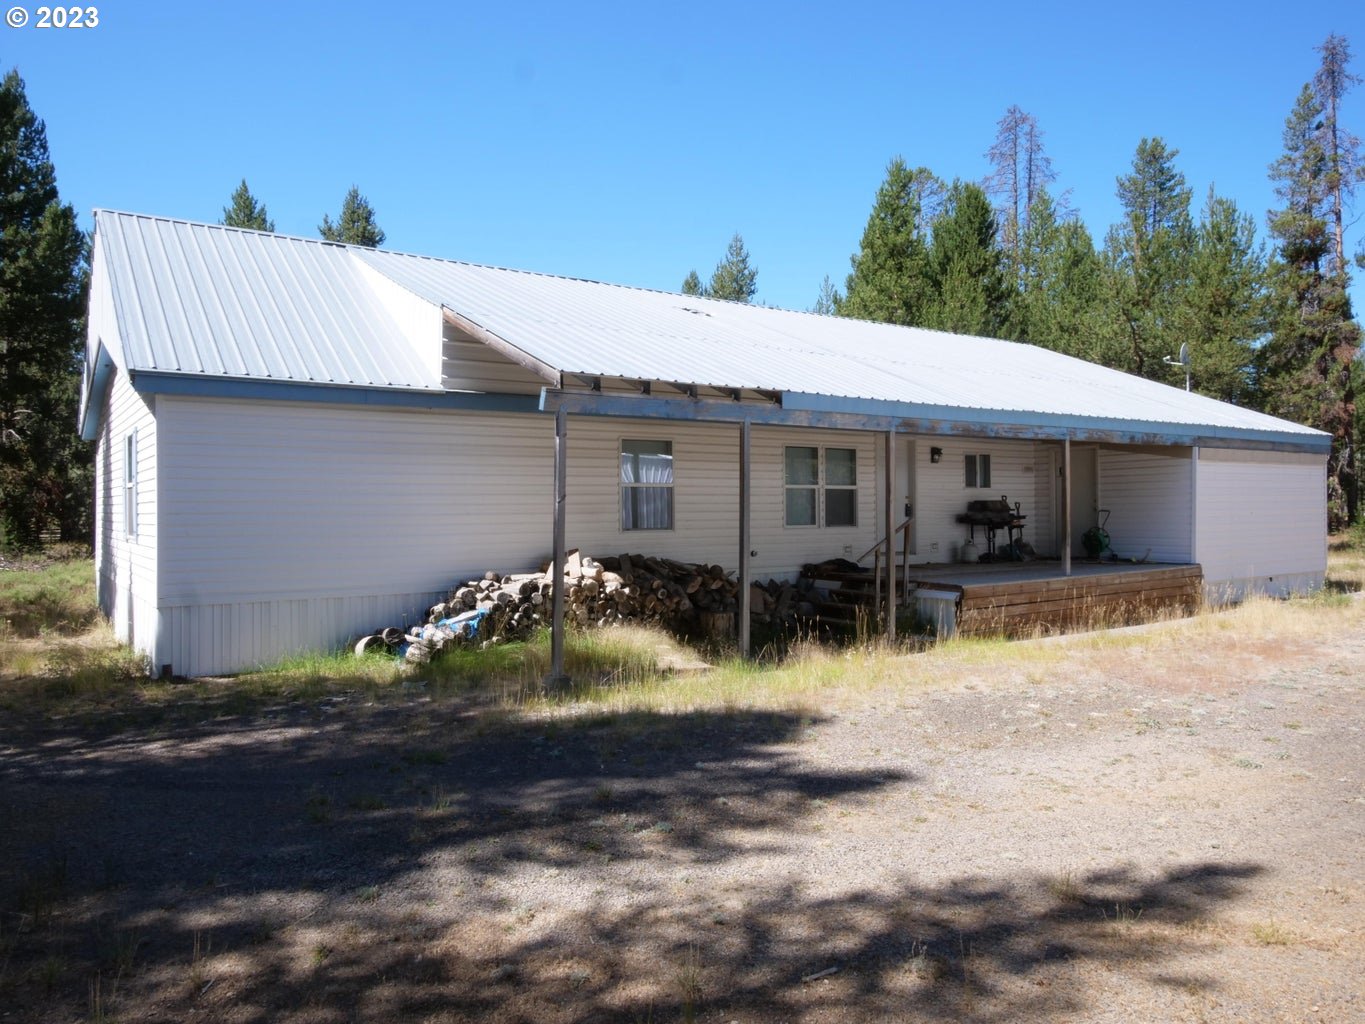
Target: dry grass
57,657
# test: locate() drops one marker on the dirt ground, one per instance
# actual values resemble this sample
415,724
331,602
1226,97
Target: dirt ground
1130,839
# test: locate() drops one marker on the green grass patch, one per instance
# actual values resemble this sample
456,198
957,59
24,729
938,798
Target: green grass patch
53,597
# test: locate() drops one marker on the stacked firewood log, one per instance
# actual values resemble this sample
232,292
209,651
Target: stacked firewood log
685,598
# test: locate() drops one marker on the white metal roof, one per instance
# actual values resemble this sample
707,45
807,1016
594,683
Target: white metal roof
210,300
583,327
203,299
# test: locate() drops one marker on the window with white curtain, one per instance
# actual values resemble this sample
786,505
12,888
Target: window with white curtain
978,470
646,485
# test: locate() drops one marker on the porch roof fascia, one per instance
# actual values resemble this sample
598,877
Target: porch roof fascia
802,409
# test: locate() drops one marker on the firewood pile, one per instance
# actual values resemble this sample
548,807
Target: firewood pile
685,598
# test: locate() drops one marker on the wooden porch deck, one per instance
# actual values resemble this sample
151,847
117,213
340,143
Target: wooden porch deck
1021,597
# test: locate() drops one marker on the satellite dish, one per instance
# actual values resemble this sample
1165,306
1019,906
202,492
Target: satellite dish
1184,354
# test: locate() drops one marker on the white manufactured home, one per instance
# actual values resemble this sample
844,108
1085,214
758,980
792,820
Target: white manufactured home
300,440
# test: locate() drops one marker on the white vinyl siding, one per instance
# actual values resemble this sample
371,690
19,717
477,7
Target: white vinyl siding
1149,495
941,493
1261,522
126,517
293,526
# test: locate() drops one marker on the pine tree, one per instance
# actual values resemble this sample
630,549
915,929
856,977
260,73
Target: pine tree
1341,149
1306,368
692,284
970,291
245,212
1021,170
356,225
1147,261
1224,314
827,302
890,279
45,469
1060,291
734,278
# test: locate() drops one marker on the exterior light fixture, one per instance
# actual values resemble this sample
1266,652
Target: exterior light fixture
935,454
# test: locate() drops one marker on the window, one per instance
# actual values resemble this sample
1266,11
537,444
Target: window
646,485
978,470
130,485
821,486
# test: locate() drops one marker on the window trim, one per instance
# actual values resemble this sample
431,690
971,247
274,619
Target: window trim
622,487
977,471
820,487
130,468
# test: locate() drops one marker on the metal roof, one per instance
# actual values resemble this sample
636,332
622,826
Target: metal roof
206,300
583,327
210,300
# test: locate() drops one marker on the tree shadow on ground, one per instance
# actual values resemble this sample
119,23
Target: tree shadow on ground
138,834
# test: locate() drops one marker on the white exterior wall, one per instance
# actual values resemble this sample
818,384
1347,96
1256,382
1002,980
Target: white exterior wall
126,566
1019,470
1149,493
291,526
1261,522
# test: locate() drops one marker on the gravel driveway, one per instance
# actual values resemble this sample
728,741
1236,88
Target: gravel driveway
1121,836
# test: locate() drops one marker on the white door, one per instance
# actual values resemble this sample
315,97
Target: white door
905,483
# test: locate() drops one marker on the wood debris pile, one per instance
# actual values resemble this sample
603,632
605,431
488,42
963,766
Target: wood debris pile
685,598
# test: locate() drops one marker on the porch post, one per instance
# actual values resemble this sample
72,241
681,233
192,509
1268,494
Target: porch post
742,627
890,536
1066,504
557,678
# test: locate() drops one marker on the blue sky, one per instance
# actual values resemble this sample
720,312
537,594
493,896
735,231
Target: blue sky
627,142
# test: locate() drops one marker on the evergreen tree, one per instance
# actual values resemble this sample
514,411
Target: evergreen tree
734,278
970,291
245,212
1060,291
1306,368
1147,261
1341,149
890,278
692,284
45,469
1225,309
827,302
356,225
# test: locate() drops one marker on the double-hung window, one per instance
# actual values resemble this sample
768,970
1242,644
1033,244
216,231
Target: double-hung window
978,471
130,485
646,485
821,486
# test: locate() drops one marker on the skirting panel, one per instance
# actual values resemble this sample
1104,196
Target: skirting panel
221,639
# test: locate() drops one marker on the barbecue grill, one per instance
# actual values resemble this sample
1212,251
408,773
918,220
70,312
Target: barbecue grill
994,515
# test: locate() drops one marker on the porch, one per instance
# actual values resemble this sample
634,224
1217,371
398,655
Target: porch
1020,597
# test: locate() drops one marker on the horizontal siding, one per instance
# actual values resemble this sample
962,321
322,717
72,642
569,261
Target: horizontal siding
942,494
1148,493
281,501
469,365
1262,521
126,567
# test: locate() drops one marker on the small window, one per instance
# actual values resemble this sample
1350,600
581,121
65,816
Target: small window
130,485
802,479
821,486
646,485
978,470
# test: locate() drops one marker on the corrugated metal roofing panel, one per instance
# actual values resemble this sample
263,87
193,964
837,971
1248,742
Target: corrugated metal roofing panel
206,299
610,330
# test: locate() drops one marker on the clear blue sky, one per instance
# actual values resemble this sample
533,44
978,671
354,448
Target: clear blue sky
627,142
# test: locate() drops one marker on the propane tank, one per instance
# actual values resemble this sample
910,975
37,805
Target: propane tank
969,552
